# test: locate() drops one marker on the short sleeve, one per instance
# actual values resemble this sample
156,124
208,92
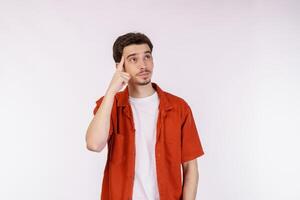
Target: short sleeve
191,145
98,103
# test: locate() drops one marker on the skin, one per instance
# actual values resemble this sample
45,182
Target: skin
190,179
139,64
134,69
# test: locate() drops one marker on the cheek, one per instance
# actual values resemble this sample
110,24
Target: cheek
128,67
150,63
150,66
131,69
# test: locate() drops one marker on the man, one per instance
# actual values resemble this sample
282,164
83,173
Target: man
150,133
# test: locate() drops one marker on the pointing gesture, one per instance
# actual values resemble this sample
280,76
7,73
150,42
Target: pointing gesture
120,65
120,77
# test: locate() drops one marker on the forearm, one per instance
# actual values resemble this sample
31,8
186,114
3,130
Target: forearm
190,183
97,132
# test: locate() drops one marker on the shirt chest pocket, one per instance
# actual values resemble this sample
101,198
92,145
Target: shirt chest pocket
117,154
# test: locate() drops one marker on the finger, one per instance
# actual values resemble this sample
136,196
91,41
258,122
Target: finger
120,65
125,77
125,74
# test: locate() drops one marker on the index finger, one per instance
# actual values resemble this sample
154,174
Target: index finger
120,66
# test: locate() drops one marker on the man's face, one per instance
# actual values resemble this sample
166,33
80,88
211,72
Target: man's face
138,63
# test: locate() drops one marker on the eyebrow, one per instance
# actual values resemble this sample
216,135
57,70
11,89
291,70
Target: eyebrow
133,54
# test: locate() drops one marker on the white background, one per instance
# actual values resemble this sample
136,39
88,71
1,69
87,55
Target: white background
236,63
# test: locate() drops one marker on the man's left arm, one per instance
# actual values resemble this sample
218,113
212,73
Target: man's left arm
190,179
191,148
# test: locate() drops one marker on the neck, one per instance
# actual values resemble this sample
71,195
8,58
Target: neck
140,91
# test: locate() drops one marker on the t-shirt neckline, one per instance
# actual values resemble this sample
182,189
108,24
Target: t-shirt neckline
144,99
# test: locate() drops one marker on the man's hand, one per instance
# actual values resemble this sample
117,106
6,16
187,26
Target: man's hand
119,79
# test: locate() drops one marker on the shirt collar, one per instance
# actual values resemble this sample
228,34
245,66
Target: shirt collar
164,103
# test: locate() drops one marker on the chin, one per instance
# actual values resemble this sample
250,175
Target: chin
143,82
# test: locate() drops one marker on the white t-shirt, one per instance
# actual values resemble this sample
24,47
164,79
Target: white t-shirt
145,112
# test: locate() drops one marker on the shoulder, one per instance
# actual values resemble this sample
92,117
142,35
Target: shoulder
180,106
178,102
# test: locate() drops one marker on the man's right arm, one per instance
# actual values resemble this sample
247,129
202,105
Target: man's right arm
98,129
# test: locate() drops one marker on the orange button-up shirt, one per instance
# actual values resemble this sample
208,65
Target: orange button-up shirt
177,141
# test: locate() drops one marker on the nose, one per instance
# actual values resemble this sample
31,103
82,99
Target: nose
142,64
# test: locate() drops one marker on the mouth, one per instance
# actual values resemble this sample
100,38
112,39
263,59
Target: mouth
144,74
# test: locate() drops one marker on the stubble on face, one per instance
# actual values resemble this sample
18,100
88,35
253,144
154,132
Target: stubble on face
141,80
146,82
143,75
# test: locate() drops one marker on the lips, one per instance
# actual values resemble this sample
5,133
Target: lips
143,74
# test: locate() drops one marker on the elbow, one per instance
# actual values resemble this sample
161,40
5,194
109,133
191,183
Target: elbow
95,147
93,143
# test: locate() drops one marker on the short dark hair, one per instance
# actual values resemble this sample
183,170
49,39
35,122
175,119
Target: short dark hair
126,40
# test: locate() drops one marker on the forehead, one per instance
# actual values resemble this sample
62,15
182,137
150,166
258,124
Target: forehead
135,49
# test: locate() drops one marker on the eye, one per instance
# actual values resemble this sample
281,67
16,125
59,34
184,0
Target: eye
133,59
148,56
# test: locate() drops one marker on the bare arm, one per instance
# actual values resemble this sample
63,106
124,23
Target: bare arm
190,180
98,129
